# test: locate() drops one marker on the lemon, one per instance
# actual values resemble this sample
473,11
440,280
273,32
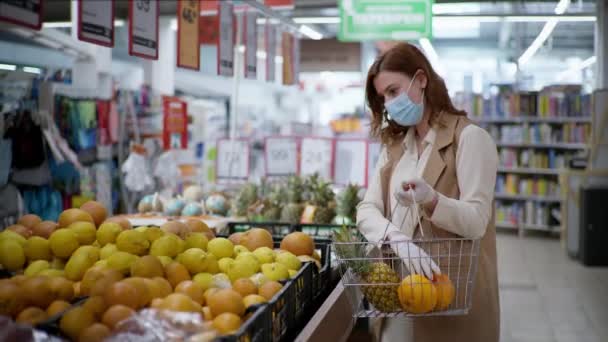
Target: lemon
292,273
153,233
52,273
275,271
213,266
11,235
92,252
165,260
221,248
197,240
221,281
101,263
63,242
121,261
132,241
148,267
12,256
107,250
249,259
264,255
238,249
194,259
36,267
37,248
85,232
289,260
241,268
259,279
57,264
78,264
108,232
205,280
167,245
225,264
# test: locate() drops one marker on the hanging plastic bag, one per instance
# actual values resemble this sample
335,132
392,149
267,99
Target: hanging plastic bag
135,168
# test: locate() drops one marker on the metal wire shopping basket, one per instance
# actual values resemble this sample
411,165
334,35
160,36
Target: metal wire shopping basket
378,282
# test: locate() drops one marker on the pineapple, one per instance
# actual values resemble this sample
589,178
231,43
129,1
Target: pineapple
272,205
347,205
322,197
292,212
247,196
382,297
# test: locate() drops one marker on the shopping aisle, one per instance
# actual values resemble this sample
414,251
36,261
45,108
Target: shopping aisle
546,296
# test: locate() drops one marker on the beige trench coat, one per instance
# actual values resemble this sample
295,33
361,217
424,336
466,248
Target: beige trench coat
482,324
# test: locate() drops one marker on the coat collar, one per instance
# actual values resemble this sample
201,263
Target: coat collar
445,136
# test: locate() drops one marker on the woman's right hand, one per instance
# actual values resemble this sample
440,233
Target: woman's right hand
415,259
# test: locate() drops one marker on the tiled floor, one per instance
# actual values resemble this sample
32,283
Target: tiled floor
546,296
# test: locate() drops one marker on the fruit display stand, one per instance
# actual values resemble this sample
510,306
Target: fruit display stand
217,224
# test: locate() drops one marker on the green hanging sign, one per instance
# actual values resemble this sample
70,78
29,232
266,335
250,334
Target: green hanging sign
385,19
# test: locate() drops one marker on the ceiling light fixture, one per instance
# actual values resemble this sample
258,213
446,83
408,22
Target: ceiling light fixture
9,67
544,34
67,24
32,70
581,66
310,33
430,52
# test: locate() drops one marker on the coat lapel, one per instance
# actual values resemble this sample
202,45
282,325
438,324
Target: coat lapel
436,164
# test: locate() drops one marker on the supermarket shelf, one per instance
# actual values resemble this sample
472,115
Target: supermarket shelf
531,171
534,119
506,225
561,146
548,199
541,227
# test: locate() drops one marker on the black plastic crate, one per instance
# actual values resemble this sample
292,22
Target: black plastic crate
319,231
51,325
279,309
277,229
321,278
255,329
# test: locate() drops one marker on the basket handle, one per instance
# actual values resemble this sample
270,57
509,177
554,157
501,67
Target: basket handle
414,208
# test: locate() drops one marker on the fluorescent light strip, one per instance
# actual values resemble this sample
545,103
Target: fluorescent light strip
317,20
32,70
583,65
66,24
9,67
544,34
310,33
428,48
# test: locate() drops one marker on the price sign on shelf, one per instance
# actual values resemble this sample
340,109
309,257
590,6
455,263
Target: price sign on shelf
25,13
316,157
232,159
351,162
281,155
373,151
143,28
226,43
188,49
96,22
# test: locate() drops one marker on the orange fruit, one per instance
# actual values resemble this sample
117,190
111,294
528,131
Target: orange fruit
417,294
227,323
209,292
70,216
29,220
97,211
97,275
37,291
180,302
115,314
57,306
96,305
269,289
122,293
61,288
142,290
207,316
11,299
298,243
192,290
445,291
226,300
96,332
75,321
32,316
19,279
165,286
176,273
77,291
21,230
44,229
256,238
148,266
245,287
198,226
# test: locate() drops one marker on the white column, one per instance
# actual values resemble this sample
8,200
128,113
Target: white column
601,44
160,74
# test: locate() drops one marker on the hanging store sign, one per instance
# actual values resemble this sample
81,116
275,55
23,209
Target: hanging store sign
226,39
143,28
287,52
96,22
175,123
350,165
363,20
251,44
26,13
281,156
271,51
232,159
280,4
188,50
316,156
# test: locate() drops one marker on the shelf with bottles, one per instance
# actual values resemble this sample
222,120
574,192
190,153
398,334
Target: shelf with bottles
568,134
534,188
526,216
532,161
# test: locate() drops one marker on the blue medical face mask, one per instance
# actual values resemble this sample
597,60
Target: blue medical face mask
403,111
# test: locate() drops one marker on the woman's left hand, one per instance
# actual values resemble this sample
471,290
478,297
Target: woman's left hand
422,192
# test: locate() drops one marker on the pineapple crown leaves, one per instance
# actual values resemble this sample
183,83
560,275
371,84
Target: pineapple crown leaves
348,201
350,248
295,188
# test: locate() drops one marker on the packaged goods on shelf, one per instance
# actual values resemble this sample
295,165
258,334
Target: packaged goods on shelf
528,186
512,213
542,133
556,101
531,158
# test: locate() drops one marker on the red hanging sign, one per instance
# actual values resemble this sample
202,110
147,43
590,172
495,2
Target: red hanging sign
26,13
143,28
188,50
96,22
175,123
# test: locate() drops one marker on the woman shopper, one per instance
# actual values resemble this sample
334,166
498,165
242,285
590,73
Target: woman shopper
430,147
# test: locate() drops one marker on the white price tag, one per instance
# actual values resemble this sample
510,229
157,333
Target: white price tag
373,150
96,22
351,162
316,157
232,159
271,51
226,48
143,28
251,42
281,156
25,13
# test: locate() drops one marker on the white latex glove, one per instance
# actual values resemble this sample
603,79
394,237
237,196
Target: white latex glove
414,258
415,190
